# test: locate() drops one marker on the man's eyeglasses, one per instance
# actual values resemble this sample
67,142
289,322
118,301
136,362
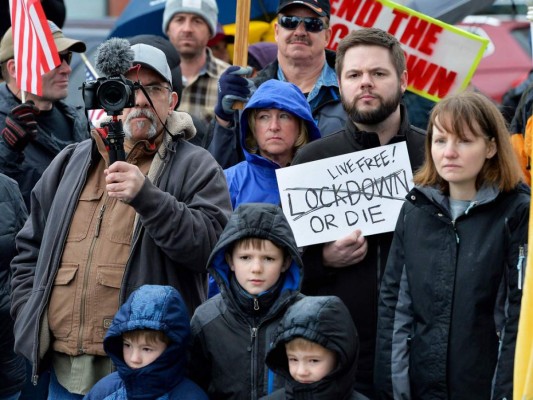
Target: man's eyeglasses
311,24
155,90
66,57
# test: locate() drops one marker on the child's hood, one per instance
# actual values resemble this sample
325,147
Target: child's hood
153,307
324,320
275,94
259,220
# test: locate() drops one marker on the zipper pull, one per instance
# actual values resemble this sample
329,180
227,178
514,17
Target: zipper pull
520,264
99,220
252,337
455,231
256,304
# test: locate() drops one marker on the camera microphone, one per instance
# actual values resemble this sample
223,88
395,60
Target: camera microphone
112,91
114,57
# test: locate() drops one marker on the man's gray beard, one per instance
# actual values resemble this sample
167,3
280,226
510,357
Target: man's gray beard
373,117
136,114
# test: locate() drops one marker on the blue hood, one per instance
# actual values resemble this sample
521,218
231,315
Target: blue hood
159,308
281,96
260,220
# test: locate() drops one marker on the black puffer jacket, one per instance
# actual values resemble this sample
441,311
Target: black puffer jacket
324,320
13,214
446,287
232,331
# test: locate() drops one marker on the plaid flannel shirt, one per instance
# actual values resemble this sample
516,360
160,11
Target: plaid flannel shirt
199,97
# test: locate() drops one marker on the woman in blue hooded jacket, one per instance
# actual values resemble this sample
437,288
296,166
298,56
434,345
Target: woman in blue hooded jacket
275,123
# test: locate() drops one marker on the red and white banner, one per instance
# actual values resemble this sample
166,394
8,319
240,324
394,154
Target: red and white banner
441,58
33,44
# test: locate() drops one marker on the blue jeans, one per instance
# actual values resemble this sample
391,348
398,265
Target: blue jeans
58,392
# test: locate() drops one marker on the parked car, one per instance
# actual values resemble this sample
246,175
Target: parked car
507,60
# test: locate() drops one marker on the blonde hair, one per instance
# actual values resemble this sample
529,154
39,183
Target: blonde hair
477,113
151,336
251,144
301,344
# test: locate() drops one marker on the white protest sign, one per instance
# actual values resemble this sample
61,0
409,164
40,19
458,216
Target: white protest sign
441,58
327,199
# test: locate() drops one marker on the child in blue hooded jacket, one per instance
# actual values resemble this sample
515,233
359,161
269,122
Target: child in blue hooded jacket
147,342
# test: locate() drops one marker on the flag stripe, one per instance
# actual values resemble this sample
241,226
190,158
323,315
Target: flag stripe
34,46
90,75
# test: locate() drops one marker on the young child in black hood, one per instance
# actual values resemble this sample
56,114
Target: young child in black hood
315,349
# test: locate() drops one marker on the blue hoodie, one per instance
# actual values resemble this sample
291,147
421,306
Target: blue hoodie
158,308
254,180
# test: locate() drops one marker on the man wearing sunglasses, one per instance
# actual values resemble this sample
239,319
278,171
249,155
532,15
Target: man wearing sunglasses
34,132
302,33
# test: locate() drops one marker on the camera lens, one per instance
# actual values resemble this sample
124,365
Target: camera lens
113,95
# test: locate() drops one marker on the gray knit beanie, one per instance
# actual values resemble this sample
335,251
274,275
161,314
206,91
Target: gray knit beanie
207,9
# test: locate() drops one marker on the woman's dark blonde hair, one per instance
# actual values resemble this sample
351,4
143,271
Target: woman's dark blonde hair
477,113
251,144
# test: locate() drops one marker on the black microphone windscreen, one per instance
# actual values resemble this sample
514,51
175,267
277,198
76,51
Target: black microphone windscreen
114,57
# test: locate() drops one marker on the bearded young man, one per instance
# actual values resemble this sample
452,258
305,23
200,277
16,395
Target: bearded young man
97,231
372,77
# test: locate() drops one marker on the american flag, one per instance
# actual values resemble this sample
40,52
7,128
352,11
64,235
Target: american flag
90,75
33,43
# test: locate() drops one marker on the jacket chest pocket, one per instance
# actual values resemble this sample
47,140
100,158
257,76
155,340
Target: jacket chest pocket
118,223
85,213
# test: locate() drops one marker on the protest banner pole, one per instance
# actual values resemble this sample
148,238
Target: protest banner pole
240,49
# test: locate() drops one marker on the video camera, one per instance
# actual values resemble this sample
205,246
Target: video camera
112,94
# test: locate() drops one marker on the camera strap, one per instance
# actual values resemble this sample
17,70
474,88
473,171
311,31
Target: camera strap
165,129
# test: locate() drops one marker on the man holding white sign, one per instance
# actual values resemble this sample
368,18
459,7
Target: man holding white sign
372,77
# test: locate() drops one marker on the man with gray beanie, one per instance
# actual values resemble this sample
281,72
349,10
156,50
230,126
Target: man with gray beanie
189,24
100,229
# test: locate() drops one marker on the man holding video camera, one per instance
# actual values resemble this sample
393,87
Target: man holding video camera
99,230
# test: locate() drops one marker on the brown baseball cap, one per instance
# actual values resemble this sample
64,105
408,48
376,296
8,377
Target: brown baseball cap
62,43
